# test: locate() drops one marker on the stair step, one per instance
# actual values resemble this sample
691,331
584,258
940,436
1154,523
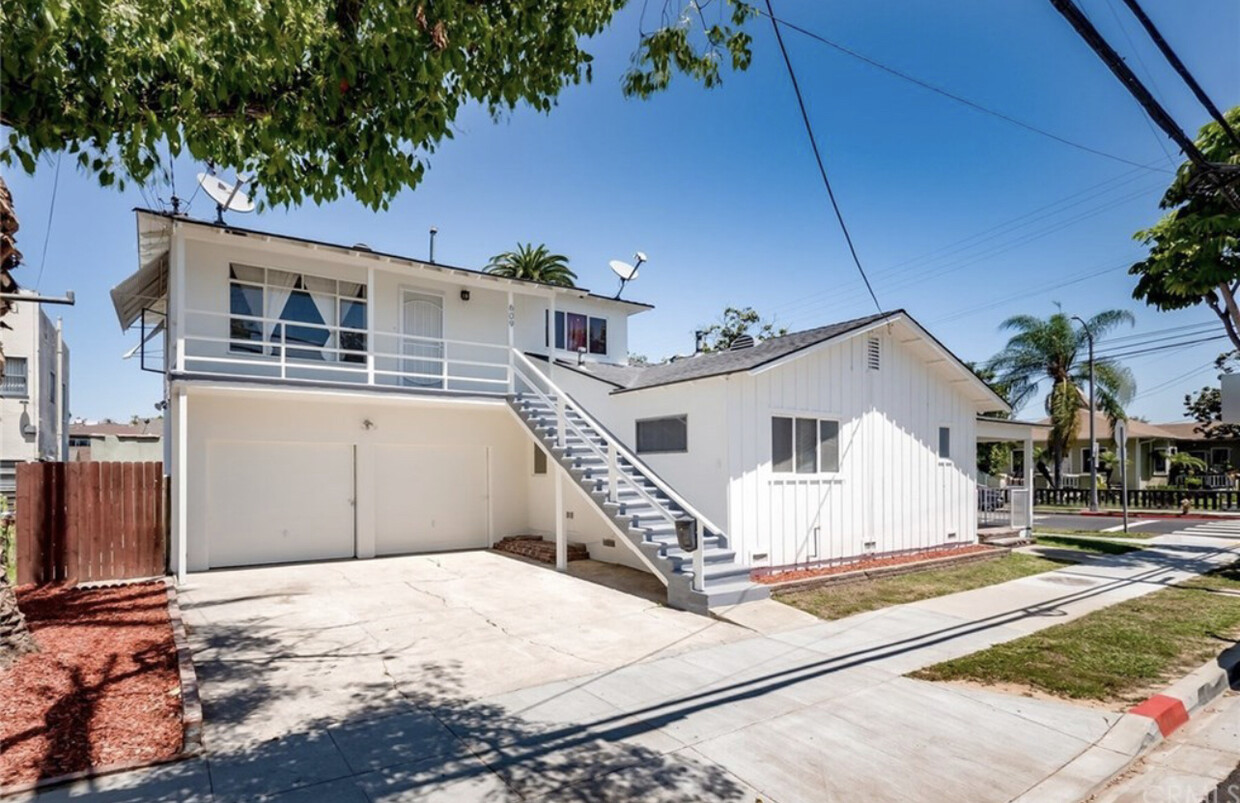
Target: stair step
714,572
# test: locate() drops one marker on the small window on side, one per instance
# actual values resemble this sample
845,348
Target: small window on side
669,434
559,330
945,443
540,460
598,335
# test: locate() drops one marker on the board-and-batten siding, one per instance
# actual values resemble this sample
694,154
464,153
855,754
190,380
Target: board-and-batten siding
892,489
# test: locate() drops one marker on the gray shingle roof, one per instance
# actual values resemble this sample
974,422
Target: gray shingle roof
718,363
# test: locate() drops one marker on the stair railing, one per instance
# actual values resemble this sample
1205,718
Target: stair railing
562,403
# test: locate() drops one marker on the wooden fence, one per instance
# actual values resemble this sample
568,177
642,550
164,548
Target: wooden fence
88,521
1149,499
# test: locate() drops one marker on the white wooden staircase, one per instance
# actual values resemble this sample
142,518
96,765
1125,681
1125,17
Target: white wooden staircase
639,505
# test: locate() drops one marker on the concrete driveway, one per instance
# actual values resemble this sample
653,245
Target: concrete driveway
472,676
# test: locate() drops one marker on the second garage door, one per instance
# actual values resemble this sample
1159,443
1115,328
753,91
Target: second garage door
430,498
278,502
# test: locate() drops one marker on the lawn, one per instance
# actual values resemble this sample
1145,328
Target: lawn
1117,654
1096,533
1099,546
836,602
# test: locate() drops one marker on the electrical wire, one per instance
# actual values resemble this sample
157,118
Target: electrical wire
1165,347
47,232
822,170
1149,76
1162,385
953,96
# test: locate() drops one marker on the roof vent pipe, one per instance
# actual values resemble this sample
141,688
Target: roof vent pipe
431,258
697,341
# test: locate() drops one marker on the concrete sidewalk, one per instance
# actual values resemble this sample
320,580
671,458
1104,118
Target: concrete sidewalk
814,713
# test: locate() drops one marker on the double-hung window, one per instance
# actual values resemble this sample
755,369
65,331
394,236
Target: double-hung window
805,445
314,317
576,332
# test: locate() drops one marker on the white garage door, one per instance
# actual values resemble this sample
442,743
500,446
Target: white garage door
430,498
278,502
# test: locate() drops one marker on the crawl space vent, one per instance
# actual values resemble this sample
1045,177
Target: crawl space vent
873,354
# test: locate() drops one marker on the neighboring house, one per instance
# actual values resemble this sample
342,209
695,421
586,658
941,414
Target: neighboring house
1149,446
34,394
330,401
1221,455
110,442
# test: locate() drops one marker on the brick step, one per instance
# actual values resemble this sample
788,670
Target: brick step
536,548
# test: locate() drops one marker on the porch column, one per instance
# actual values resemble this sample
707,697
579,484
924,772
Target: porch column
1028,472
371,346
512,323
177,318
180,496
561,537
1140,477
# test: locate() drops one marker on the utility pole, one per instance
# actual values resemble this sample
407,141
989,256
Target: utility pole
1093,435
1214,177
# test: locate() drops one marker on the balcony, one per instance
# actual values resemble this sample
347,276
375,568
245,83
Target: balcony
224,345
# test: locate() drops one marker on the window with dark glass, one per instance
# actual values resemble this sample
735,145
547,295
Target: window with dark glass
945,443
804,445
245,299
670,434
598,335
781,444
575,332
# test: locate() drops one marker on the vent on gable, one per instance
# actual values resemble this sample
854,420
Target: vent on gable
873,354
741,342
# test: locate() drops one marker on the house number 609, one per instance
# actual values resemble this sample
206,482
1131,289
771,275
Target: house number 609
512,315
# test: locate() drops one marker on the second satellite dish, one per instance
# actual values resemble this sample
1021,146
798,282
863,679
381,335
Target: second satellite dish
625,271
227,197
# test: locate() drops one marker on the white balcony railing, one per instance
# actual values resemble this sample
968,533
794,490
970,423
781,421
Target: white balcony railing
289,351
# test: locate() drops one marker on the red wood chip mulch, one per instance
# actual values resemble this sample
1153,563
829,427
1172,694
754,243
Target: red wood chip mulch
873,563
103,689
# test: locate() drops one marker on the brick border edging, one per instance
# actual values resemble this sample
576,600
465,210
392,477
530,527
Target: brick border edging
191,712
861,575
1144,726
191,701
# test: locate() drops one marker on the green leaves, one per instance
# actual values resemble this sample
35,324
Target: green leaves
313,99
535,264
1194,250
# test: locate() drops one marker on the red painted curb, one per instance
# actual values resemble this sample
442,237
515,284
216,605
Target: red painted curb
1168,712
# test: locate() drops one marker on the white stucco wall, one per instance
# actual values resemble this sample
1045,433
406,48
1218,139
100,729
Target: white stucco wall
32,336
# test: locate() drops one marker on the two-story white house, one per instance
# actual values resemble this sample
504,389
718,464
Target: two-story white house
329,401
34,393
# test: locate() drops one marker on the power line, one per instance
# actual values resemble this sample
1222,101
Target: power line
1197,328
1180,69
1173,380
958,98
1165,347
1149,341
1149,75
974,309
813,141
47,231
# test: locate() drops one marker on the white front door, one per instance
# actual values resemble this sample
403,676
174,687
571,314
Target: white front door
422,343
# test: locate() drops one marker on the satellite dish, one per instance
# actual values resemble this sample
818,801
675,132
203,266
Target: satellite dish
227,197
625,271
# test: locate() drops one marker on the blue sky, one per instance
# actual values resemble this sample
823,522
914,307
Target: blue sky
961,218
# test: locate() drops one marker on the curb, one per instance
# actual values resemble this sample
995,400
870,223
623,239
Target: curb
1139,730
191,712
1157,514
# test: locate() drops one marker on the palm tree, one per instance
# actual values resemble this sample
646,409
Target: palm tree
533,264
1055,349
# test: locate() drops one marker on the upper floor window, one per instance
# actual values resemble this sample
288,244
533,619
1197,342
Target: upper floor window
804,445
14,383
945,443
79,441
575,332
316,318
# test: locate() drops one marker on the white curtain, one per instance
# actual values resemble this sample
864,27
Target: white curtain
280,286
